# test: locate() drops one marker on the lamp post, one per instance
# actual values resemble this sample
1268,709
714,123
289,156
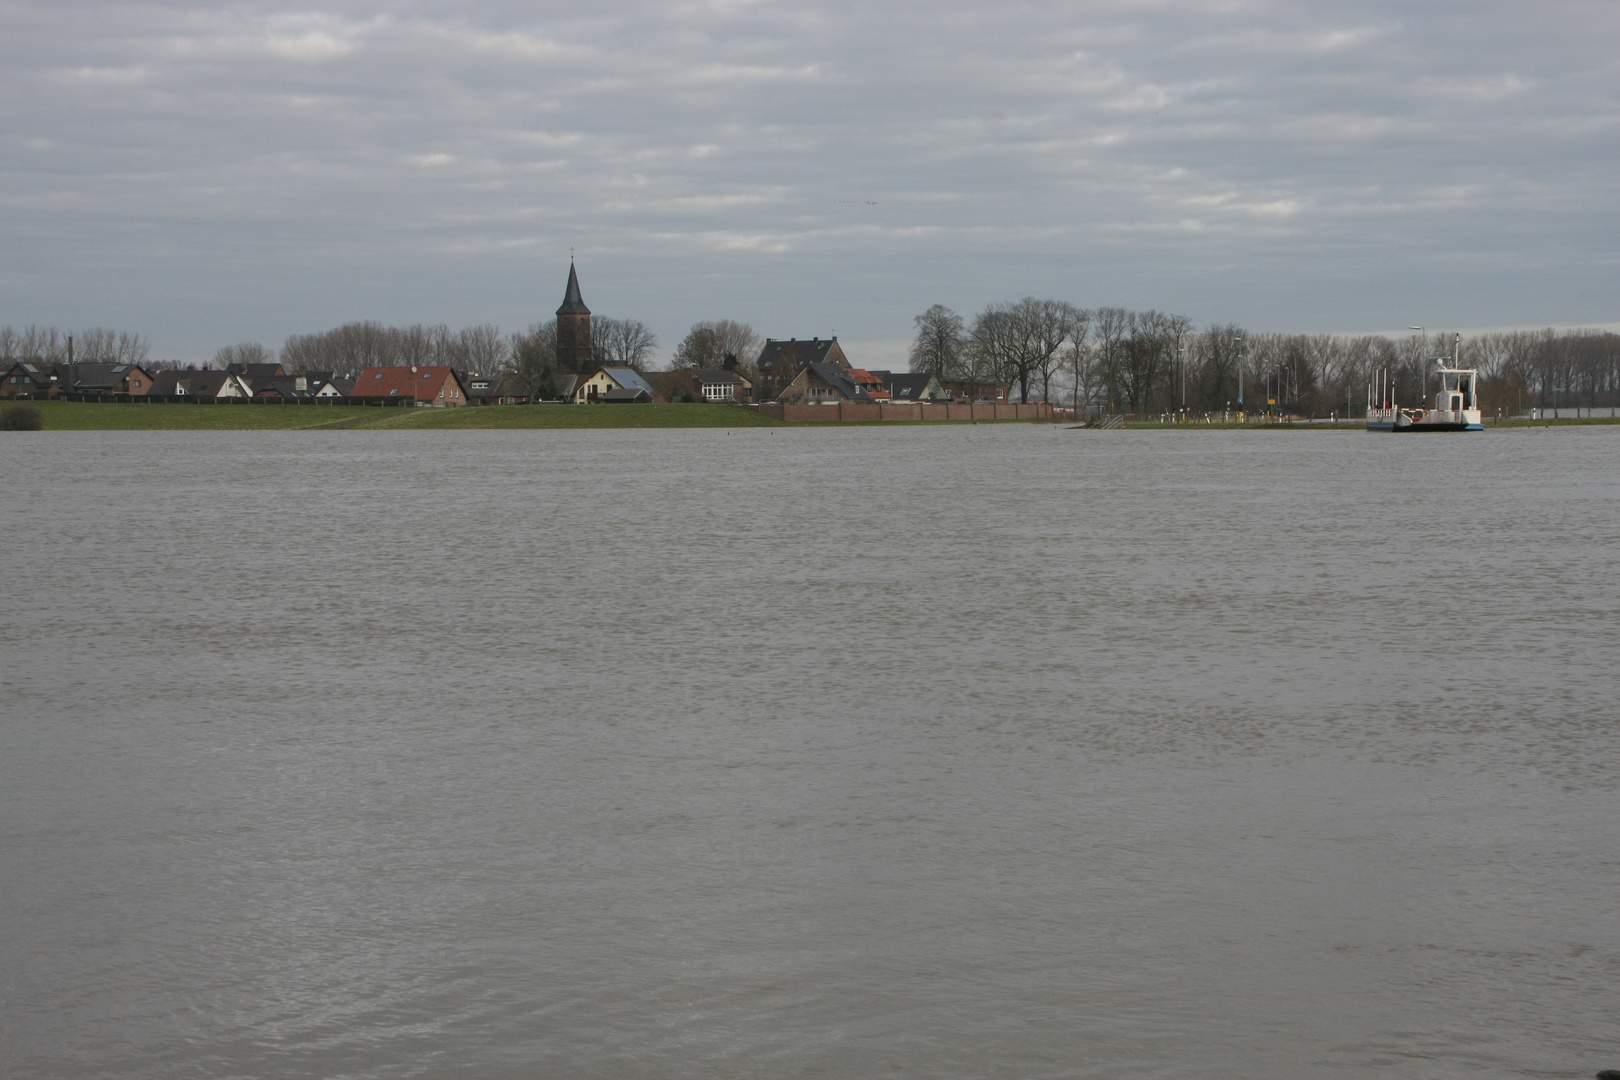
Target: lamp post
1423,335
1181,362
1240,348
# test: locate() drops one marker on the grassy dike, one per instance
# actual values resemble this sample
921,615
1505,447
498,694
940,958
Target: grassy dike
121,416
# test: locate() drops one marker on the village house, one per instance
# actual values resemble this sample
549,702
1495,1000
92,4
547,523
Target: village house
716,384
200,384
869,381
292,386
432,385
108,379
912,386
780,362
613,385
494,389
968,390
701,384
823,384
26,380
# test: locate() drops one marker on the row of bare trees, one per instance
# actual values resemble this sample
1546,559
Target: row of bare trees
530,356
49,345
1146,363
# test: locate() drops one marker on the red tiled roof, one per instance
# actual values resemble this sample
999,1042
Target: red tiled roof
422,382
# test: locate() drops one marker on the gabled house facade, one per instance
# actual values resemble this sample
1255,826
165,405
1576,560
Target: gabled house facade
201,384
613,385
30,380
432,385
494,389
289,387
780,362
824,384
104,378
913,386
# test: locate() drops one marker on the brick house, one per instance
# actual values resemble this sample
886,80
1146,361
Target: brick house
823,384
434,385
106,378
29,380
780,362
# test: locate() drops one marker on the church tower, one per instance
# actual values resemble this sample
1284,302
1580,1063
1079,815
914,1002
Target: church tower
573,328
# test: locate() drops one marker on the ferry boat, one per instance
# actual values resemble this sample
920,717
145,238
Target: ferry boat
1456,403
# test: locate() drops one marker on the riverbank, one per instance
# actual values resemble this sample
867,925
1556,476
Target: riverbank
137,416
1491,424
127,416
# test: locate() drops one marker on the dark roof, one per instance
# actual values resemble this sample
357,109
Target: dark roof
100,376
256,371
627,394
717,375
909,385
493,386
37,374
204,383
795,354
837,378
287,385
573,303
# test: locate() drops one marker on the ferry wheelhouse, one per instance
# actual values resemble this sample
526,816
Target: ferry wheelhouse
1456,402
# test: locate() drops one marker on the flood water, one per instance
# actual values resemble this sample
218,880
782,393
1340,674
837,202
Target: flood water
990,751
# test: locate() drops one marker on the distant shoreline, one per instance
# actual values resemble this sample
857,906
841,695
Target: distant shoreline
123,416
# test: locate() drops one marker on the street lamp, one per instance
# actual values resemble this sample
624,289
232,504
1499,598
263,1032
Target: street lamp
1239,340
1423,367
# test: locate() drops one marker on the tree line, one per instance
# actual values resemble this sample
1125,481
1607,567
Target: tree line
1150,363
1101,359
49,345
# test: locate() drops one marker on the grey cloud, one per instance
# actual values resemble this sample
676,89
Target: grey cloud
208,174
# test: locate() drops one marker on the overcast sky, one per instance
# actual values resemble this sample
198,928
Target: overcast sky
207,173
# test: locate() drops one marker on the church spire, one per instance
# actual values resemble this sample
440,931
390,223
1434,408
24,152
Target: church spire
573,303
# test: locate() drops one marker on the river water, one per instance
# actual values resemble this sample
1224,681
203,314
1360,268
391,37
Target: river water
975,751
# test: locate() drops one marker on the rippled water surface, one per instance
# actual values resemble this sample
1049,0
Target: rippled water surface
998,751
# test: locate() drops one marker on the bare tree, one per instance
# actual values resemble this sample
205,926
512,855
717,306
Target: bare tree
482,349
101,346
248,352
1078,361
533,360
719,344
940,340
993,348
622,342
1047,325
1109,329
